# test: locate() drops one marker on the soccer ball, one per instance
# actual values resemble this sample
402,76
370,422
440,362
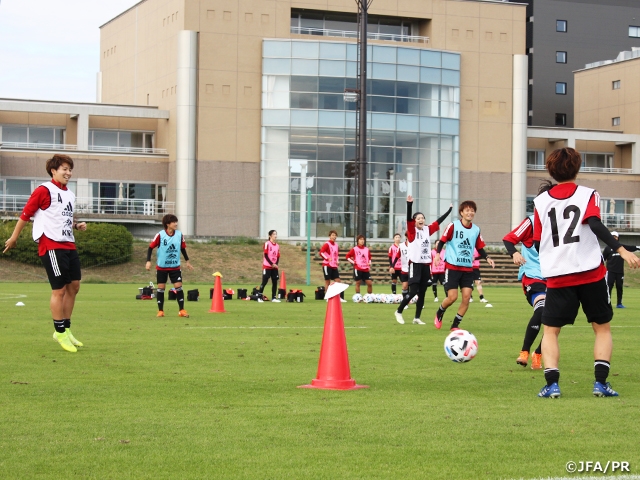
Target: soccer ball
398,298
389,298
368,298
357,298
461,346
413,300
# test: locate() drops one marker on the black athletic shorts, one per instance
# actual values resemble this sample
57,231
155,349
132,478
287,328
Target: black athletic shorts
360,275
330,273
476,275
420,273
561,304
270,274
404,277
437,277
454,279
533,288
397,273
174,275
62,266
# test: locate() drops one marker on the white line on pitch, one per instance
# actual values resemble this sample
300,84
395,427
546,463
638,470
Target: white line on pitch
297,328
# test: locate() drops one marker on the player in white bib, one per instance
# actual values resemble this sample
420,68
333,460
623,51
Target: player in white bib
566,230
52,205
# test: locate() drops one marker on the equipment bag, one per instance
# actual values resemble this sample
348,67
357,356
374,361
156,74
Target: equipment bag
227,294
282,293
192,295
295,296
242,293
320,293
147,291
256,291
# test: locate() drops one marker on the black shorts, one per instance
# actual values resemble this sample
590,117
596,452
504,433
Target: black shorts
270,274
476,275
62,266
457,278
397,274
330,273
561,304
532,289
404,277
420,273
437,277
174,275
359,275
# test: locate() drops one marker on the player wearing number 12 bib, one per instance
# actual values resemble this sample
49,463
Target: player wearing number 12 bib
566,230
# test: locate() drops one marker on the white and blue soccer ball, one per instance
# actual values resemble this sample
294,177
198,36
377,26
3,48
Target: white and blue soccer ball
461,346
368,298
357,298
397,298
413,300
390,298
380,297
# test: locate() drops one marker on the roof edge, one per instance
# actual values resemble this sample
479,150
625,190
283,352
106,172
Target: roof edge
122,13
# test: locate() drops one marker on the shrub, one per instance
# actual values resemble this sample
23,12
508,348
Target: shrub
101,244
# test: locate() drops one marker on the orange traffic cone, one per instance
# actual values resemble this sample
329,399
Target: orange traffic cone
217,302
283,281
333,368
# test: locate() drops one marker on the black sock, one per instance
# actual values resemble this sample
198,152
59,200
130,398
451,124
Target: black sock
481,297
59,325
601,368
539,349
67,323
435,290
456,321
551,375
393,288
533,328
342,295
180,298
160,299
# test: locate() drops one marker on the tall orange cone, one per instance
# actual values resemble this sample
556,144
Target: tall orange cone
283,282
333,368
217,302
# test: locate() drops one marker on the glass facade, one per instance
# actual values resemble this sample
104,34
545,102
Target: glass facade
308,136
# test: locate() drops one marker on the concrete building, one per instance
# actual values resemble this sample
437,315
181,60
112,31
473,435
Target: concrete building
254,91
563,36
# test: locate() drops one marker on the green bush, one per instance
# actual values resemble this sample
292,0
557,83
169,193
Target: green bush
101,244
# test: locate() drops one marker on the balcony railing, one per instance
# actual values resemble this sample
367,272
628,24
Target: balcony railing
39,146
623,171
99,206
325,32
626,222
102,148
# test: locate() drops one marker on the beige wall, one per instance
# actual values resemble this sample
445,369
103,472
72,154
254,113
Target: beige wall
607,185
596,102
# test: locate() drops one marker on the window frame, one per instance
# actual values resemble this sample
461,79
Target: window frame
566,26
565,56
563,86
637,31
564,120
615,121
615,85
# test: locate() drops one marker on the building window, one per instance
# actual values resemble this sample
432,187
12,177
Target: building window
561,119
561,57
530,205
561,88
114,140
337,24
597,161
615,121
561,26
634,31
535,159
615,84
45,136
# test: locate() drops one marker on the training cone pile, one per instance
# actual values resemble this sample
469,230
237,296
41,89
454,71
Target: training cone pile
217,302
333,368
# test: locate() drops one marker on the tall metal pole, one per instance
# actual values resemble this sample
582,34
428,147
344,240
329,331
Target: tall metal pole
361,160
308,235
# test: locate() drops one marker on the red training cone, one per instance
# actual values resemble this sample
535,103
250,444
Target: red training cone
283,281
333,368
217,302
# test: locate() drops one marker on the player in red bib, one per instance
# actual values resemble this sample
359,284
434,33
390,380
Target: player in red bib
566,230
330,253
270,261
395,261
51,206
360,257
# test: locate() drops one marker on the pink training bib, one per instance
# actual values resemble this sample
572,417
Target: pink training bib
272,250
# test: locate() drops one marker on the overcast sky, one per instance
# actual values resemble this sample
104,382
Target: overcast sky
50,49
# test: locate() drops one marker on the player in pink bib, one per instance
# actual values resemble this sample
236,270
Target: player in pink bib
330,253
270,261
395,261
477,279
437,274
360,257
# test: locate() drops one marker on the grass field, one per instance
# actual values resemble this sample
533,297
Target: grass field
214,395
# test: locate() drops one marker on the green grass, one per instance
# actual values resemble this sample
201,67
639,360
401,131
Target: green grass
203,398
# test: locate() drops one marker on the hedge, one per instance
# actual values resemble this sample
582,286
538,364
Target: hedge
101,244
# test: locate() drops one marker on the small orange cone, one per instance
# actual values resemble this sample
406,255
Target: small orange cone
217,302
333,368
283,281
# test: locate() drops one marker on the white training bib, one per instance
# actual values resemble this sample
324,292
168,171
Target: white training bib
420,248
567,245
56,222
404,256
